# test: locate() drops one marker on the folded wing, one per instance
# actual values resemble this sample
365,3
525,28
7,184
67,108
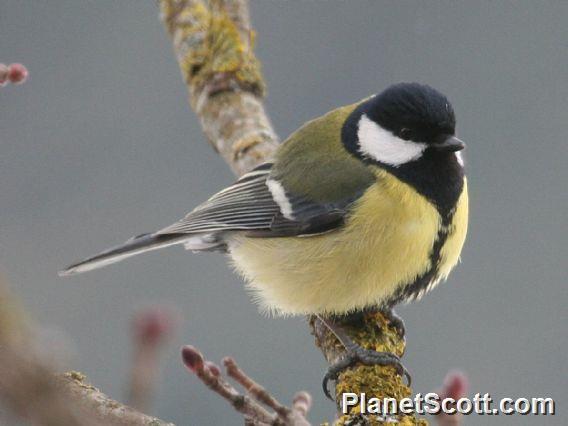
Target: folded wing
256,204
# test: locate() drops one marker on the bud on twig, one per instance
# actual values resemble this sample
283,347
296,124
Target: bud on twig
13,73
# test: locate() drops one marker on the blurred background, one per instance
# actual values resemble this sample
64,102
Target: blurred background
100,144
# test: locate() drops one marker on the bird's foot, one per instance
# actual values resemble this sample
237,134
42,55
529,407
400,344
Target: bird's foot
356,354
395,321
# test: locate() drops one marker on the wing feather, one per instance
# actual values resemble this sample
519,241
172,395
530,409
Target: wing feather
252,205
245,205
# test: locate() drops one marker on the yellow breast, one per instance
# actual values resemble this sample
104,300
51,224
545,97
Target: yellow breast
386,242
451,250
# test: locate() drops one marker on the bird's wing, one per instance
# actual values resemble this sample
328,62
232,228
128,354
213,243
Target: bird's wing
309,189
260,204
263,207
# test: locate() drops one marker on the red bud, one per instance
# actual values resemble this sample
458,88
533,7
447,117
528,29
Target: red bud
192,358
213,368
153,324
455,385
17,73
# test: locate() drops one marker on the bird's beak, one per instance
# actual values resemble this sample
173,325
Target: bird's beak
449,144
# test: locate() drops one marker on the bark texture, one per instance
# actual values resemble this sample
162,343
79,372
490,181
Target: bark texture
214,44
99,407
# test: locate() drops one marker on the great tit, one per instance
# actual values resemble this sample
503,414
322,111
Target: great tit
360,209
363,207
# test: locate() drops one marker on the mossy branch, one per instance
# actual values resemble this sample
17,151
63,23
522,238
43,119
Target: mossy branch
371,331
214,45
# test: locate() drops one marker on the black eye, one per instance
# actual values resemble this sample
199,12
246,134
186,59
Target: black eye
405,133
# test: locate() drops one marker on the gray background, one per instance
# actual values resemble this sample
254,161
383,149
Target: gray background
101,145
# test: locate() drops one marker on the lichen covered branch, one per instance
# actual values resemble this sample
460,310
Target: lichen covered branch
214,45
371,331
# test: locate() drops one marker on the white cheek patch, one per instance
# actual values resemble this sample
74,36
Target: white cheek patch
381,145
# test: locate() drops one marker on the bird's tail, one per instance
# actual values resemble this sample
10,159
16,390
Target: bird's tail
136,245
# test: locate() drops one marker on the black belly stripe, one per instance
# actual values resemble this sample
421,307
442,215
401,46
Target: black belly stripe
411,291
440,179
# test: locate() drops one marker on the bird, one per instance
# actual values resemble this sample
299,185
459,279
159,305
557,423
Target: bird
362,208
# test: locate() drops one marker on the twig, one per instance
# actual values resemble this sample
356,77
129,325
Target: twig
249,405
194,361
256,390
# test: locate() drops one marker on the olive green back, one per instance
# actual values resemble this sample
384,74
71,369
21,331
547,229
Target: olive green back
313,163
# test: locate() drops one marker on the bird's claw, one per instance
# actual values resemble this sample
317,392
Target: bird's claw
365,357
395,321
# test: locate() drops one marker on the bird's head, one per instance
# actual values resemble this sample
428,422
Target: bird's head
401,125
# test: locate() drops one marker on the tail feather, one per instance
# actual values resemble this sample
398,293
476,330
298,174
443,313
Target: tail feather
134,246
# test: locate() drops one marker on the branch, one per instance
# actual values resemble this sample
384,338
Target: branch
371,331
99,408
213,43
214,47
